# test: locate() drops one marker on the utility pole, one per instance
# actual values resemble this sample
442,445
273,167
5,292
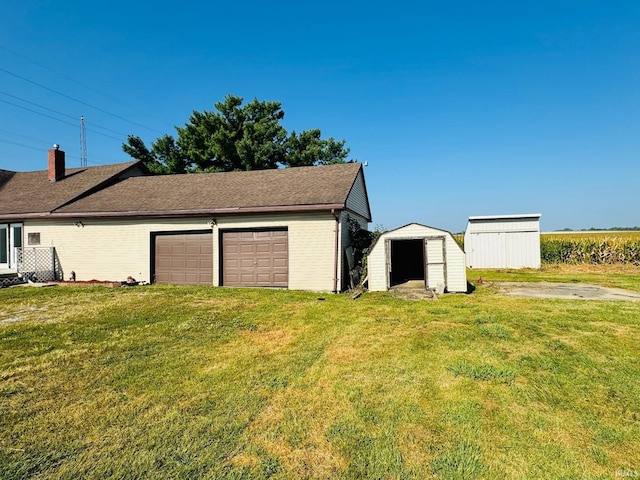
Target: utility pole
83,143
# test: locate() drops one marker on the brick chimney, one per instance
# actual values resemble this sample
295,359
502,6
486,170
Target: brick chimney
56,164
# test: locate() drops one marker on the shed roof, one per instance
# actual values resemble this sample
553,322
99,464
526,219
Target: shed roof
415,224
412,227
505,217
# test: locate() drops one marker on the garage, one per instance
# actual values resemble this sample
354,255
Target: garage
417,253
184,258
255,258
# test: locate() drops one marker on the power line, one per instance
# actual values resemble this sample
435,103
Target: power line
36,112
40,149
83,157
7,132
54,71
37,105
57,119
20,144
43,142
67,77
76,100
58,112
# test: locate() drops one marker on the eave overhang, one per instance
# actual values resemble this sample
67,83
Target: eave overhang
327,207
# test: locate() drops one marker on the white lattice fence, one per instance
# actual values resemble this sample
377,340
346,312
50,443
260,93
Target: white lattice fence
38,263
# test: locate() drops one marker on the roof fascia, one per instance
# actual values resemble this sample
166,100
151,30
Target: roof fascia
506,217
181,213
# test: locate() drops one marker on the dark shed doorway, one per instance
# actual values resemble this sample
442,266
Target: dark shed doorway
407,261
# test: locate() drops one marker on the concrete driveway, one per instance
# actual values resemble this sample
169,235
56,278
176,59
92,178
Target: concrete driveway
571,291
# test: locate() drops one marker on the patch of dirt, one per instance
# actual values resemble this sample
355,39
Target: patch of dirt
25,314
565,291
407,294
85,283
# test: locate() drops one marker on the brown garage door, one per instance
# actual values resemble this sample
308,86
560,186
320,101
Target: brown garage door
184,258
255,258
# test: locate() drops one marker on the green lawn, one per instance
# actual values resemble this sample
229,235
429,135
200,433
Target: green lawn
612,276
189,382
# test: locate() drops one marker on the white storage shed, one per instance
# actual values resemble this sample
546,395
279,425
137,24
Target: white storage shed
417,252
503,241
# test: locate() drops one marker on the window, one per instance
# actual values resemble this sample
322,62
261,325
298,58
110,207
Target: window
17,235
33,239
4,244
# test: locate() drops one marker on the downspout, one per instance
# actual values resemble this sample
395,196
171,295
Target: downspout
335,259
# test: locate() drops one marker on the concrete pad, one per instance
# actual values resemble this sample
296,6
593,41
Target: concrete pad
413,290
578,291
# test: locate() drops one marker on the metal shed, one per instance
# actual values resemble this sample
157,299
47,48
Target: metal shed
417,252
503,241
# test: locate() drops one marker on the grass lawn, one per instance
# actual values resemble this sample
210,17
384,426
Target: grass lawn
191,382
612,276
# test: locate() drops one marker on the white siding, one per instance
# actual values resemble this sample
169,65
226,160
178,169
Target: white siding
377,267
503,242
106,249
523,249
311,247
456,274
114,249
504,225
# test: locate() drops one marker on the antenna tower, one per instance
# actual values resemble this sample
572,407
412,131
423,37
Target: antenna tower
83,143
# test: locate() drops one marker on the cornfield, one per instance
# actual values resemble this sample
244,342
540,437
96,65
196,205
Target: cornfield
592,248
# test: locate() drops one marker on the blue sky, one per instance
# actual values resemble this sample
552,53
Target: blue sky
460,108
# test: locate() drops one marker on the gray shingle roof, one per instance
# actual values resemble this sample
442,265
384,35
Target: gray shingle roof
32,192
280,189
290,189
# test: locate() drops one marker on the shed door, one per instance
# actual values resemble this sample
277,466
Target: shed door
255,258
435,261
184,258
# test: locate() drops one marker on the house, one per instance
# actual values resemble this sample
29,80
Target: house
503,241
417,252
283,228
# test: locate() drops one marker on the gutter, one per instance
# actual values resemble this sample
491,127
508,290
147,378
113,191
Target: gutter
337,244
176,213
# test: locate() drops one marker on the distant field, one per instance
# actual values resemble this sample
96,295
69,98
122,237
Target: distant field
603,235
595,236
608,247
